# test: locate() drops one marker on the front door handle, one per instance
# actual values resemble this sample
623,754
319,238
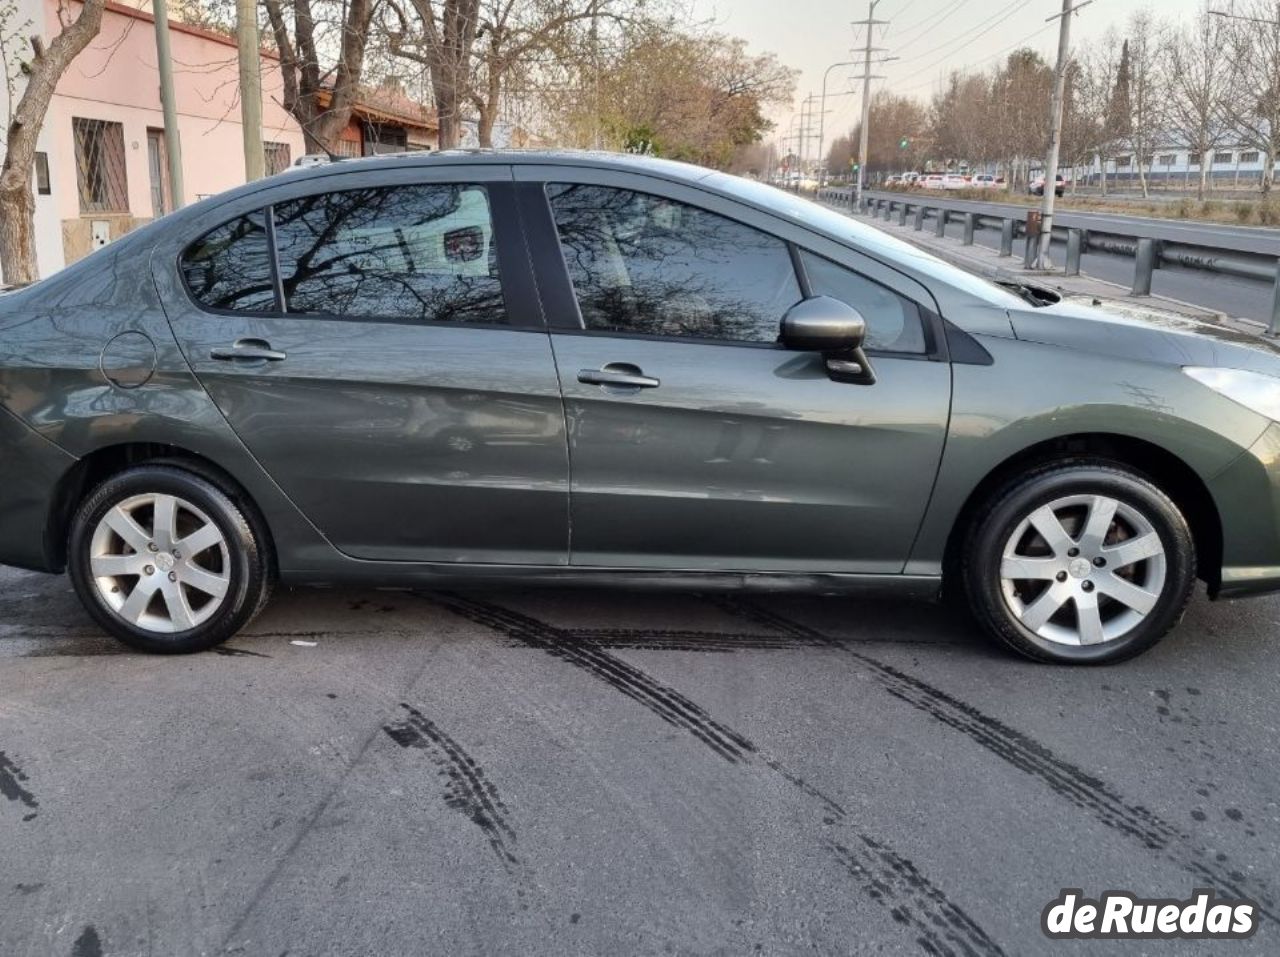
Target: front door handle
249,350
622,375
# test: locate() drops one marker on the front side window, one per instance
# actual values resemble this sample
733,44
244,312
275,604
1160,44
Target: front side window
894,324
645,264
423,253
230,267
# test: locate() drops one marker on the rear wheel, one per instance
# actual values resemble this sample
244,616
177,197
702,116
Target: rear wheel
165,561
1079,562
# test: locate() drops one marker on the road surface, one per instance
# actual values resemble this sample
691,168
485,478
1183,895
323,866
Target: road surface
571,772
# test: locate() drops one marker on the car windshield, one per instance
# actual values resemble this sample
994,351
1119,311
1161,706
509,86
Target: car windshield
868,238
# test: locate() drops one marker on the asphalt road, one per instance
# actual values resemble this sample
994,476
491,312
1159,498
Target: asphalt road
562,772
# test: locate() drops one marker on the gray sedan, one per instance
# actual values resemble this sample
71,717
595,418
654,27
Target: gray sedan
469,368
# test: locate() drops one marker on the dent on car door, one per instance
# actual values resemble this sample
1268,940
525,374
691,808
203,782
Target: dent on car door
697,440
388,365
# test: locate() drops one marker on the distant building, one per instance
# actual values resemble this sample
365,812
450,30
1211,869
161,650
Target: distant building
1228,166
385,120
101,168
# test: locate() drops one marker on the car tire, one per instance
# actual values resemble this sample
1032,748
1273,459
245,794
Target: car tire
1080,561
165,561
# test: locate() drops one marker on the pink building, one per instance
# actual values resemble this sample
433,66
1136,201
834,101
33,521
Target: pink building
102,168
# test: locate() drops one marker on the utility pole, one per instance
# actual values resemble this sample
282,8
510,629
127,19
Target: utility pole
1042,260
870,23
172,142
250,57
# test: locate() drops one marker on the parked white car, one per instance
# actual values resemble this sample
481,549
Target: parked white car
932,181
954,181
982,181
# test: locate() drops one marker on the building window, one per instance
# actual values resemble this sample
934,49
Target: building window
100,166
1123,160
278,157
1168,159
1249,157
42,174
1222,157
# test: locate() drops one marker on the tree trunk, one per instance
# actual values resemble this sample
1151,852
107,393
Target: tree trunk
17,204
1205,159
1268,171
18,236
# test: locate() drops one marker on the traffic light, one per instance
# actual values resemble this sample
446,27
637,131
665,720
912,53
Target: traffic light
903,143
853,165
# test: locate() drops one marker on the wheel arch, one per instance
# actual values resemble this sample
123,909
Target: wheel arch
1164,469
102,463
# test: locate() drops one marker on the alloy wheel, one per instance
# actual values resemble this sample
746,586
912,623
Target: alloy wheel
160,563
1083,569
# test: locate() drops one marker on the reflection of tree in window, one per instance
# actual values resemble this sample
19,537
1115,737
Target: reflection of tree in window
893,323
410,252
645,264
230,267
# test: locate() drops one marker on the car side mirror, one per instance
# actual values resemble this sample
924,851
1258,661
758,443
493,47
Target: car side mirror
834,328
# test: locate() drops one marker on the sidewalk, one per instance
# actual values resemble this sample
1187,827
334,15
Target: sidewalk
988,262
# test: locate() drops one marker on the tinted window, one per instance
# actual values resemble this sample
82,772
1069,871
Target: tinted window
409,252
645,264
230,267
894,324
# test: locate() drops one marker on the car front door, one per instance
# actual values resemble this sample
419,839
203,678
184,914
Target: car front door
696,440
375,341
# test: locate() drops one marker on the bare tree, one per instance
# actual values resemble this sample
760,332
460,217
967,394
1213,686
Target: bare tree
1253,109
440,35
17,204
319,27
517,38
1198,72
1145,92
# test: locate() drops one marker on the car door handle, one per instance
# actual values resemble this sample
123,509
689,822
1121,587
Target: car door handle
249,350
618,374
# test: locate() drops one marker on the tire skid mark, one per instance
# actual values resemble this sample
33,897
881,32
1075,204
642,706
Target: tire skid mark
1070,782
668,704
642,639
945,929
885,875
12,781
469,791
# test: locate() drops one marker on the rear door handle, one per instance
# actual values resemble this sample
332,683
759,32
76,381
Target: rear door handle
250,350
619,375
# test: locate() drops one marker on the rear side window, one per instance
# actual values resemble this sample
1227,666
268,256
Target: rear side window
230,267
423,253
894,324
646,264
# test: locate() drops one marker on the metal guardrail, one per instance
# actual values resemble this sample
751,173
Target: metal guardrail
1151,243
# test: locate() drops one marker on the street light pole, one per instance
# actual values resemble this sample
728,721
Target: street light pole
822,118
250,64
169,104
1042,260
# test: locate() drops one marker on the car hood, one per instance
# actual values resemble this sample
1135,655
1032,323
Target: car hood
1146,335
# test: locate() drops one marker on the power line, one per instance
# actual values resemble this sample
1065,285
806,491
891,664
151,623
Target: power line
999,15
969,66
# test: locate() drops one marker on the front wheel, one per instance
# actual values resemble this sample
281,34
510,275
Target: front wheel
1082,562
165,561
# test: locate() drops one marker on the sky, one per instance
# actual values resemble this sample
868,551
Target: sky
931,38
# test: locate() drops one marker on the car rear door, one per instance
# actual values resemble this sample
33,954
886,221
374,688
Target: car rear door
374,339
696,440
